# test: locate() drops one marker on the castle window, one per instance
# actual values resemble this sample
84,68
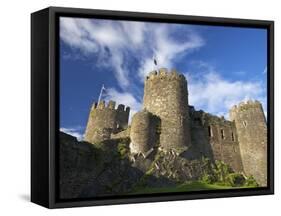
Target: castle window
244,123
197,121
232,136
222,134
210,131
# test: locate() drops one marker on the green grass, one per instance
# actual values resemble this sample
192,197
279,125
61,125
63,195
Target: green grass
190,186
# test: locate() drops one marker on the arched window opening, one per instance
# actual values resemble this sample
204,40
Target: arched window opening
210,131
232,136
222,134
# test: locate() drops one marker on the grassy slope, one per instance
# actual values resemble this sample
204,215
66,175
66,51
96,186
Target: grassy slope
192,186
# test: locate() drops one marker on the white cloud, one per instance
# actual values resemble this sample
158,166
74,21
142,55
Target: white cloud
134,32
75,131
97,38
212,93
125,98
75,36
115,42
166,49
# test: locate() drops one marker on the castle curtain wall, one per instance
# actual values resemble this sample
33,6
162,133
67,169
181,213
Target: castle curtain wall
215,138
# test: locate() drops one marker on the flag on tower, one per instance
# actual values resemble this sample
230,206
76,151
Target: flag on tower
155,62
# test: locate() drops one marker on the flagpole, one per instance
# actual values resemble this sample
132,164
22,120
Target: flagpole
155,63
102,88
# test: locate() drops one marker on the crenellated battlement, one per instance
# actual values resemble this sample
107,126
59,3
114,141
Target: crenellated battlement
111,105
164,74
105,119
245,105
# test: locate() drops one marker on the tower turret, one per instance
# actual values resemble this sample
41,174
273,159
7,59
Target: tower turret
143,132
251,128
166,96
104,120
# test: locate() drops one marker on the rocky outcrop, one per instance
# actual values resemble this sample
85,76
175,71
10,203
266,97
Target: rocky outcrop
90,171
109,168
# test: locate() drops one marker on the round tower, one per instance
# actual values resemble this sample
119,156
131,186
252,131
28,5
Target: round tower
143,132
166,96
251,129
104,120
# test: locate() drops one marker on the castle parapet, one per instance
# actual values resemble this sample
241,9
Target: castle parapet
101,105
94,106
164,73
105,119
110,105
120,107
245,105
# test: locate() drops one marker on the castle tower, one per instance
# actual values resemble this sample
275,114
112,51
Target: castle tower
104,120
251,128
143,132
166,96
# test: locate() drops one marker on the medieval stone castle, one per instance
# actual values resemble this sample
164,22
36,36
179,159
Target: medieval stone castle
167,122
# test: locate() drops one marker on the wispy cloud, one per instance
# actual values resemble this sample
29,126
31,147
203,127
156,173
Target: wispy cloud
102,38
215,94
165,48
74,131
118,42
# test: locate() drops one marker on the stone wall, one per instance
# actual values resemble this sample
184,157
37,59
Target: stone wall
215,138
122,117
223,139
104,120
166,96
199,135
122,134
251,128
76,159
88,171
143,132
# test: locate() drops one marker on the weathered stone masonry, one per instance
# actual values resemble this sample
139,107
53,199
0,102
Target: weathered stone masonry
215,138
105,120
251,129
166,96
169,123
143,132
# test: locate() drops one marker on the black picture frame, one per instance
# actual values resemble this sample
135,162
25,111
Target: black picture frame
45,102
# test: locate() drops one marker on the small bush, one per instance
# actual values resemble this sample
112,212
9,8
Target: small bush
235,180
251,182
222,170
122,150
207,178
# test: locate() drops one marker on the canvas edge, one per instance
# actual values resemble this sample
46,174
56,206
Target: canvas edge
55,11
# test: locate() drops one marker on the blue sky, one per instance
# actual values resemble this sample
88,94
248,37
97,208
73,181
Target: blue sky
223,65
